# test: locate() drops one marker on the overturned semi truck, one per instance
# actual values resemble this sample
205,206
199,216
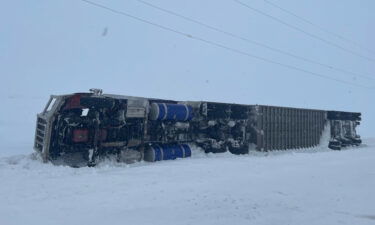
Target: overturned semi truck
92,125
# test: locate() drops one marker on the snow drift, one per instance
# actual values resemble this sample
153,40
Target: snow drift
311,186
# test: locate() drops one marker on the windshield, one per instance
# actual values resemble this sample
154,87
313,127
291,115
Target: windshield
50,104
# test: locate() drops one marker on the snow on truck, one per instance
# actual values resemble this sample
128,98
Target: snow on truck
87,126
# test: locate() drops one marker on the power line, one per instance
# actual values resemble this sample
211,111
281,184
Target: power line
303,31
253,42
319,27
221,46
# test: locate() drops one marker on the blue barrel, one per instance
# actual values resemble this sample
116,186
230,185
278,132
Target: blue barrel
166,152
187,150
153,154
178,151
174,112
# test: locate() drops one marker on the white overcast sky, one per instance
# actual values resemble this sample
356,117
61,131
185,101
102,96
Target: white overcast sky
64,46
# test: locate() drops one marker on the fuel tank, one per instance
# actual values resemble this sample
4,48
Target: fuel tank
167,152
170,112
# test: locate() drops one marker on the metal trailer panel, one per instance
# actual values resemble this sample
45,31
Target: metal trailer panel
288,128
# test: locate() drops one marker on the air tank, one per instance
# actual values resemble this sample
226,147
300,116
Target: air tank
167,152
170,112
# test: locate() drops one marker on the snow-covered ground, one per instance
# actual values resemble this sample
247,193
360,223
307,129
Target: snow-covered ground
314,186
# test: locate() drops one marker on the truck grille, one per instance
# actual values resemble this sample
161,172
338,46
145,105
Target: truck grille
40,134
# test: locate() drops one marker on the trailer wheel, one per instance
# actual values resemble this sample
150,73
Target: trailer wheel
334,145
239,151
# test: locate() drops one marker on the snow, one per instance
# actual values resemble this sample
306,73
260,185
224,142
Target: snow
310,186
